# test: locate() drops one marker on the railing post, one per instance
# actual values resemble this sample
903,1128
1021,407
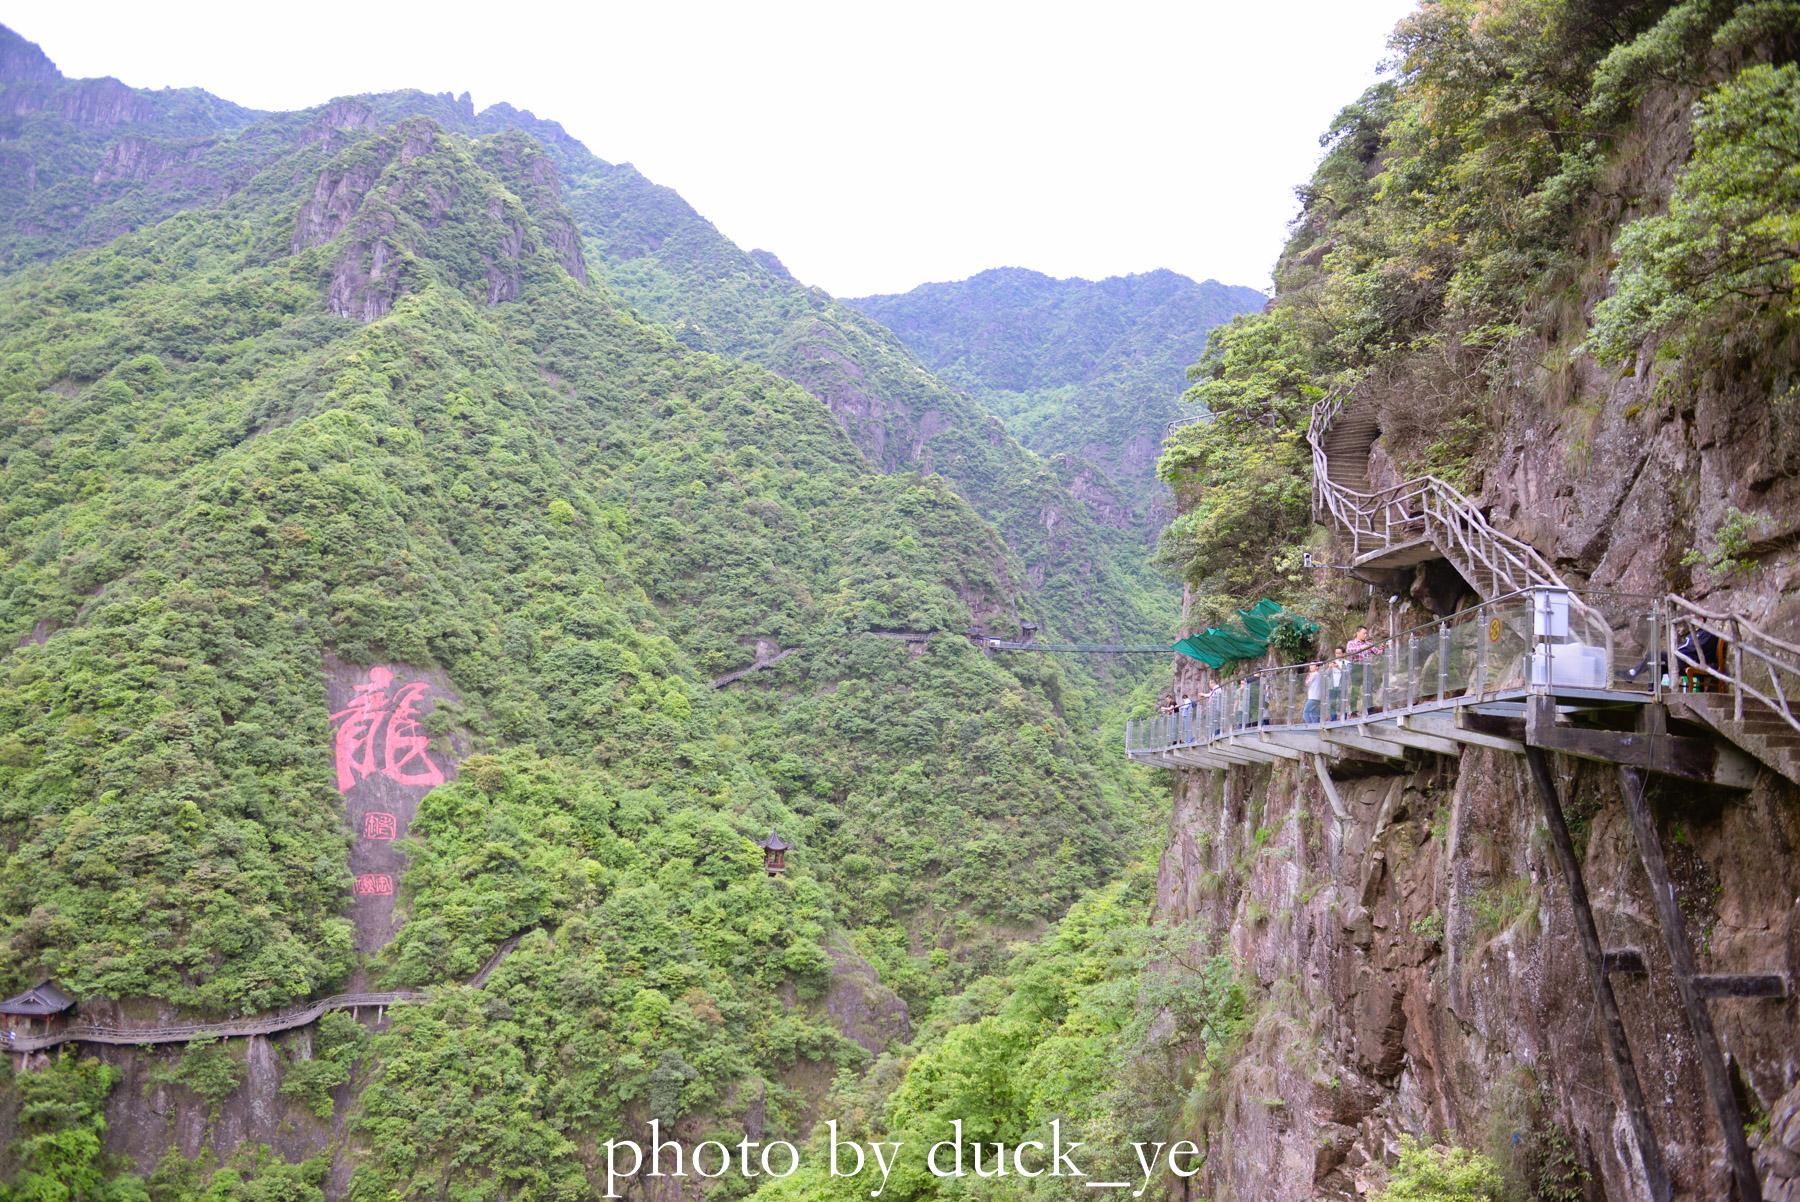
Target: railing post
1481,644
1388,694
1412,668
1668,657
1653,648
1443,658
1737,674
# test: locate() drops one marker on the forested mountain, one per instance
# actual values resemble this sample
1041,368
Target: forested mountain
299,408
93,158
1089,370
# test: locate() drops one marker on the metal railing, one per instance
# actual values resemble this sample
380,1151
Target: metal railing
1755,663
1538,640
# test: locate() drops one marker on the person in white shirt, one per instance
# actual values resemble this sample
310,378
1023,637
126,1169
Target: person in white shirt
1315,693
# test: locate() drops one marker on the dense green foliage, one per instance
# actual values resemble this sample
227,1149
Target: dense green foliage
403,496
1111,1028
1731,236
657,252
57,1155
71,180
1457,209
221,481
1080,368
1243,477
1427,1174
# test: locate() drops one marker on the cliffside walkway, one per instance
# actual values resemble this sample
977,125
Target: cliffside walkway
1536,667
271,1023
1537,663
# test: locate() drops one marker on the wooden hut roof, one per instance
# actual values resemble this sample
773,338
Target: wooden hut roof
41,999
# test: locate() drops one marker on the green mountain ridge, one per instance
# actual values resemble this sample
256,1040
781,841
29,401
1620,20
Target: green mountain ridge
1085,580
1090,371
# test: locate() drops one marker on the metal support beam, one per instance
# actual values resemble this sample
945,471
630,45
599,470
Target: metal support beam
1235,755
1743,984
1251,748
1188,757
1300,740
1394,732
1331,790
1626,960
1344,736
1450,725
1652,749
1656,1174
1491,730
1681,956
1264,743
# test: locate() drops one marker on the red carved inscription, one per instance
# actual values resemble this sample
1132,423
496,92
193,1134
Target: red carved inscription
379,731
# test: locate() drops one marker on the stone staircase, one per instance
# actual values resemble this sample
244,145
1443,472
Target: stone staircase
1414,521
1348,442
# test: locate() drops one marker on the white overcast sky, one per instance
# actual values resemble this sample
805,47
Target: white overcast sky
872,146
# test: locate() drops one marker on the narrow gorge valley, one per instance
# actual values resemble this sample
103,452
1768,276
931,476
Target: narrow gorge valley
499,676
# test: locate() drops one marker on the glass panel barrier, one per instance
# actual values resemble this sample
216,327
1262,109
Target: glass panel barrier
1541,638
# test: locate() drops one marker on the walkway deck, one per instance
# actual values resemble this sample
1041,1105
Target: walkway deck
261,1024
1543,668
1537,664
274,1022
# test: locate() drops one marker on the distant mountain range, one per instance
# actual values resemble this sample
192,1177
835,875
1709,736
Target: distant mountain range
1078,368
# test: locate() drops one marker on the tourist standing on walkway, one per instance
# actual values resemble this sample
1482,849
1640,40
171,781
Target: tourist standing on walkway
1315,693
1334,679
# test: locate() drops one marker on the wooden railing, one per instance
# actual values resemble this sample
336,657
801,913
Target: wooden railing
1424,506
260,1024
1757,664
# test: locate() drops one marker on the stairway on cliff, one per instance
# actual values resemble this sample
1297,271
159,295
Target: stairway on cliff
1762,732
1394,536
1347,445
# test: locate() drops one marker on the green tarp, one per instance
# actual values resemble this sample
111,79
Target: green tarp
1259,619
1216,645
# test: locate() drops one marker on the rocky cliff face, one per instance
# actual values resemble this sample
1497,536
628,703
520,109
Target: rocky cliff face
1411,936
1420,973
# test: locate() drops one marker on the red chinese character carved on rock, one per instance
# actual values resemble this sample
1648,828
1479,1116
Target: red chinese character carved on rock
393,720
378,825
376,884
